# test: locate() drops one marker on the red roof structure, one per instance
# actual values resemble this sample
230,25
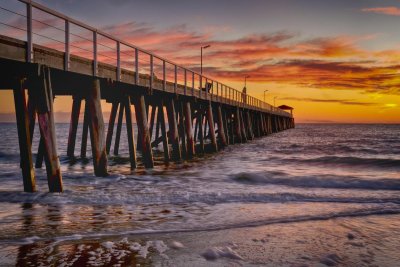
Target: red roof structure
284,107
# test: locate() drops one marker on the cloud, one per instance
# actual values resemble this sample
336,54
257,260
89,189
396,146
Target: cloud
391,10
283,57
335,101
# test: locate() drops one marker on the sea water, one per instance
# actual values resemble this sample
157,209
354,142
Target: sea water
312,172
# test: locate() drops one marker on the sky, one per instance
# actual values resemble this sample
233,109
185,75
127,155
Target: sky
332,60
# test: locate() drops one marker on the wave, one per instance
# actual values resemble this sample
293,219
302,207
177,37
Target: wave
389,210
383,163
183,198
323,181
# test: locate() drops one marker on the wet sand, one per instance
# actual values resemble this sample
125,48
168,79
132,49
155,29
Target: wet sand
351,241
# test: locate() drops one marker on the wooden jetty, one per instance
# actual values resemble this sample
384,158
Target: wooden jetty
185,112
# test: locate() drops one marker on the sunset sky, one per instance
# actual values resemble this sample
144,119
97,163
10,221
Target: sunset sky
332,60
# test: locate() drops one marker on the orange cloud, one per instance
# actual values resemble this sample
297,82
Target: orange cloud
281,57
391,10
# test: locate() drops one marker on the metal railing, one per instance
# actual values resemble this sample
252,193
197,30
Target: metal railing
207,87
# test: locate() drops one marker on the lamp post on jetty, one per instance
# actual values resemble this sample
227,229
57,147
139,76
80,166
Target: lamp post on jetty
201,57
264,93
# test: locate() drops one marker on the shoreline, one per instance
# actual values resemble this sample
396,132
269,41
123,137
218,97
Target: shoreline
350,241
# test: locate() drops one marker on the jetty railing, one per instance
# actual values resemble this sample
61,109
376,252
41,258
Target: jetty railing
192,82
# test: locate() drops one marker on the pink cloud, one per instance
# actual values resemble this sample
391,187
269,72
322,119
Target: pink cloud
391,10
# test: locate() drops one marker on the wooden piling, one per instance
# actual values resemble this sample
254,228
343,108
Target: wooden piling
242,126
142,123
31,115
161,121
238,127
44,102
73,126
173,130
250,126
111,122
221,127
85,130
97,130
182,128
189,129
210,119
225,125
40,154
200,128
24,138
129,131
119,128
152,119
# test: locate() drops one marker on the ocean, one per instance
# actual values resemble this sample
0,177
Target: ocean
316,195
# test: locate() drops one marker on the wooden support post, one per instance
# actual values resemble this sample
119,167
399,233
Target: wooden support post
189,129
161,121
24,138
238,130
250,126
242,126
142,123
97,130
111,123
225,121
32,115
119,128
201,136
210,119
182,131
157,126
44,102
262,124
129,130
221,127
40,154
85,129
152,119
73,126
173,130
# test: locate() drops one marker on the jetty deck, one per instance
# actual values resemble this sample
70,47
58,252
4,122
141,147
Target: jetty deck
182,111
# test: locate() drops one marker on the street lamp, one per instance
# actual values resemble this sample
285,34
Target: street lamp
201,57
264,94
245,80
274,100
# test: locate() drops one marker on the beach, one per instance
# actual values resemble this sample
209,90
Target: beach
317,195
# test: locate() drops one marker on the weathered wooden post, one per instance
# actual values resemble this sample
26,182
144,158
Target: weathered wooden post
119,128
242,126
97,130
221,127
73,126
161,121
129,131
25,145
111,123
181,128
85,130
189,129
173,130
250,126
210,119
200,118
44,104
142,123
238,127
225,124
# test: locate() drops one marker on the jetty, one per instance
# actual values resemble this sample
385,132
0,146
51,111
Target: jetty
176,108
